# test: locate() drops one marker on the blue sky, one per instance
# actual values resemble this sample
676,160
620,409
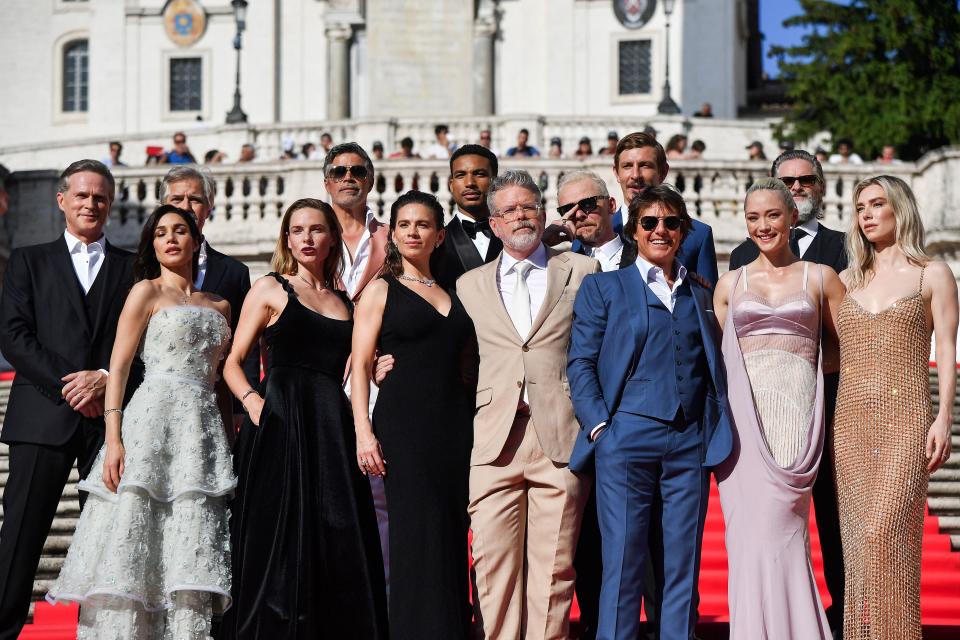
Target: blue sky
772,15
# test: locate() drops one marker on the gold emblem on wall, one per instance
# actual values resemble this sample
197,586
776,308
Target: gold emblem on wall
184,22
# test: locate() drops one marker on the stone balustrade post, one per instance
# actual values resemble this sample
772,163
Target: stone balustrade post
338,70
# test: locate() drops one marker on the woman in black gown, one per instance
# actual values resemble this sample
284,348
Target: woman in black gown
422,429
306,553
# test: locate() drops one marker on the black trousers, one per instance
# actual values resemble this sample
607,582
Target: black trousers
588,563
825,506
37,476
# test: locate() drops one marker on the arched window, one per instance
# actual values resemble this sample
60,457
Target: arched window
75,76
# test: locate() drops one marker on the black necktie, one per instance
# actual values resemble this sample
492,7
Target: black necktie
795,234
482,226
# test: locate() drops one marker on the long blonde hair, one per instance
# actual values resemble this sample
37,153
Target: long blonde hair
910,233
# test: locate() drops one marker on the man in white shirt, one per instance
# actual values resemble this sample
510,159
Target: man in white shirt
468,242
586,209
525,505
442,148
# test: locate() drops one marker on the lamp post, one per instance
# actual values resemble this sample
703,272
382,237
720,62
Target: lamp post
667,105
236,115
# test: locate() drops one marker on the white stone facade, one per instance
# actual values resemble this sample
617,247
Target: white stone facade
300,58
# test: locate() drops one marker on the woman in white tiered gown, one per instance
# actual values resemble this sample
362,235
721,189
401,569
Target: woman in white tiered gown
150,557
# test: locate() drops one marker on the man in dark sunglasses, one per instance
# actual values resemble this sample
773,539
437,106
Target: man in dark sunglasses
648,386
810,240
586,212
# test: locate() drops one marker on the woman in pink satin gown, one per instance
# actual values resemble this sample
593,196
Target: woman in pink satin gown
772,312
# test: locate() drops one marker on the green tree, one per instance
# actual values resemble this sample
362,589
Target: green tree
877,71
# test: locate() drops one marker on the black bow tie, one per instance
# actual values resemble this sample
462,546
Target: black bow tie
795,235
472,228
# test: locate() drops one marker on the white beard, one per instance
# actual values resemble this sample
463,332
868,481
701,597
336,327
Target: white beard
808,209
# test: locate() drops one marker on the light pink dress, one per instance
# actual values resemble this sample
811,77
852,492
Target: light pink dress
775,381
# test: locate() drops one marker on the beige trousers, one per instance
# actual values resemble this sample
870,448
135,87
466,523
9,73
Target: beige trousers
525,515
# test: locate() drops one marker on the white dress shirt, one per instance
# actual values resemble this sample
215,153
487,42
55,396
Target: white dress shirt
353,266
608,254
481,242
86,258
653,276
811,227
536,280
201,266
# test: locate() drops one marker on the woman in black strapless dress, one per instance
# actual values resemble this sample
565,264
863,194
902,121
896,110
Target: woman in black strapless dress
422,429
306,553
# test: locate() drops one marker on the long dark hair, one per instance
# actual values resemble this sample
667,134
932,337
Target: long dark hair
145,263
283,261
393,262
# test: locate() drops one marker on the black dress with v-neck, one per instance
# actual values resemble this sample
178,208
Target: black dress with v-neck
306,552
424,422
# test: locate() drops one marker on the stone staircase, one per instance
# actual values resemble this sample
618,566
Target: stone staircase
944,500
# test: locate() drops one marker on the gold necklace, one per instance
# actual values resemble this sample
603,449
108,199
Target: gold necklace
310,284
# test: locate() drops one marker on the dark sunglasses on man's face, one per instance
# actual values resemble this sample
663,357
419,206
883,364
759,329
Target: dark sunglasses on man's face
806,181
649,223
340,172
587,205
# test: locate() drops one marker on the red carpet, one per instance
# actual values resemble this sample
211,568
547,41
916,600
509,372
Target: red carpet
939,597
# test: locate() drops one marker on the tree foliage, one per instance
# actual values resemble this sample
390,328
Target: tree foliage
877,71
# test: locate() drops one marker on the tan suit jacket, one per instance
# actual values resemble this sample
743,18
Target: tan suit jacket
506,359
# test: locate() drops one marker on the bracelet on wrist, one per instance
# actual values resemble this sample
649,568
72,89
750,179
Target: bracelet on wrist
248,392
109,411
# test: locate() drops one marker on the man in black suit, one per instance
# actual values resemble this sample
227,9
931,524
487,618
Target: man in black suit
58,318
194,189
812,241
469,242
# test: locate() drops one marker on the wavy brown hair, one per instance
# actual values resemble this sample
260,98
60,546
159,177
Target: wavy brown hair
393,262
283,261
146,266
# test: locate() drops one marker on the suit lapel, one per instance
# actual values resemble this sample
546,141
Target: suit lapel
62,264
463,246
112,272
378,252
558,275
494,248
489,293
636,295
707,331
215,271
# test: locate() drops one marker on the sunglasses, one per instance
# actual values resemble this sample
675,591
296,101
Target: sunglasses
587,205
805,181
649,223
340,172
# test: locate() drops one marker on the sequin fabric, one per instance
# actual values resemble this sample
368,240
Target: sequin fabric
883,415
153,560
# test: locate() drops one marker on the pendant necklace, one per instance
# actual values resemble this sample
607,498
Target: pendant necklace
309,284
423,281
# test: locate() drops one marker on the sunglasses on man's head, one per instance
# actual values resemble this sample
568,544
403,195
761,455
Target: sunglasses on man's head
805,181
340,172
587,205
649,223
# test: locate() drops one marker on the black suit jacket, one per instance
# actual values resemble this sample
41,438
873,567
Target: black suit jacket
230,279
828,247
458,254
45,334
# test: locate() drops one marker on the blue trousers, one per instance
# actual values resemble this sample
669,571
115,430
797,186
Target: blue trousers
634,457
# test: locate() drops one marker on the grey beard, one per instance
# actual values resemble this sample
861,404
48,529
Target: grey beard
808,210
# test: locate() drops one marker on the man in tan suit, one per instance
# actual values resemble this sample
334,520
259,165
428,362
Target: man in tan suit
524,429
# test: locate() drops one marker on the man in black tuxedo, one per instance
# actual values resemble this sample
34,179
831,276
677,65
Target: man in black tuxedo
194,189
469,242
58,317
812,241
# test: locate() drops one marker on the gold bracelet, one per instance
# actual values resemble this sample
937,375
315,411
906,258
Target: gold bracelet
249,391
120,411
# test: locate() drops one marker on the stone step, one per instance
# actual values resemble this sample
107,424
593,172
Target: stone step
947,474
944,505
950,524
940,488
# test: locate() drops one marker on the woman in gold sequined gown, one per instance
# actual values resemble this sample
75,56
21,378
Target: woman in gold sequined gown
887,439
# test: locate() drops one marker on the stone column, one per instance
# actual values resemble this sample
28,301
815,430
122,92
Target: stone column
484,32
338,71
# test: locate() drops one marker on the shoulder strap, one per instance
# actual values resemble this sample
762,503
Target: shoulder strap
283,283
746,279
806,266
733,289
922,269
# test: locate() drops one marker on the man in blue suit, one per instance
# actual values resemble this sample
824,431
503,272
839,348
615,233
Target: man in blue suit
640,162
647,385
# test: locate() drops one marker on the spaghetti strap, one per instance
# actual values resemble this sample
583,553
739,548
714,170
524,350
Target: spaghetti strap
806,266
746,280
284,283
922,269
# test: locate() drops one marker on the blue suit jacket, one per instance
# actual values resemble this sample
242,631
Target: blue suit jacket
610,318
697,252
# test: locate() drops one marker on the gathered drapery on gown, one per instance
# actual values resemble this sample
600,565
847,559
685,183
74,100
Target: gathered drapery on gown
775,389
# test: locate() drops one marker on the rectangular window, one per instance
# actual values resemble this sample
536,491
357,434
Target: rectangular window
634,63
186,84
75,72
